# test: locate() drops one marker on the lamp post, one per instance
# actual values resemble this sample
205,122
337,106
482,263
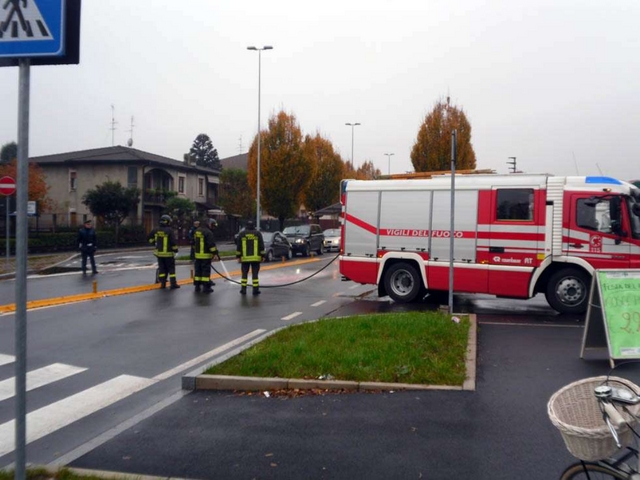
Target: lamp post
389,160
352,125
259,50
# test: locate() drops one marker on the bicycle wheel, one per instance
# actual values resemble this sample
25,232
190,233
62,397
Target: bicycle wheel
592,471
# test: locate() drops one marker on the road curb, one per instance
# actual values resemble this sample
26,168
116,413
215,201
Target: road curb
196,380
107,474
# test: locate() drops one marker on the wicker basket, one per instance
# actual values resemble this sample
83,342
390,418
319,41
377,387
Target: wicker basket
575,411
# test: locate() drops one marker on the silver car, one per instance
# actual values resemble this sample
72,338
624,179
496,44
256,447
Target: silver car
332,239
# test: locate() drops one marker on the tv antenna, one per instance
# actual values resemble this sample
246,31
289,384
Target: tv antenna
113,125
130,141
240,148
512,162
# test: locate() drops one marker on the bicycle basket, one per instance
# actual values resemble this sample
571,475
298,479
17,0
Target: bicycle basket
575,411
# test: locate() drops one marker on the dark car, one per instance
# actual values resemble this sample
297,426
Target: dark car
305,239
276,245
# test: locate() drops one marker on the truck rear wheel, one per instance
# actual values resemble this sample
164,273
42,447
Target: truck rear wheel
568,291
402,282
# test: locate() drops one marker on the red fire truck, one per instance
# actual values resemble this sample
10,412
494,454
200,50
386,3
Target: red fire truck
515,235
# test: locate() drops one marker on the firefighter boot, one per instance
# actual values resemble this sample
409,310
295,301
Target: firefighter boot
256,291
207,289
197,284
163,284
174,284
243,291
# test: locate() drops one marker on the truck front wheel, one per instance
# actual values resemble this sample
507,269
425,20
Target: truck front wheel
568,291
402,282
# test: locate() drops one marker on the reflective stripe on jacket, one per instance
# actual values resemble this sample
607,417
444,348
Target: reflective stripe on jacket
164,241
250,246
204,246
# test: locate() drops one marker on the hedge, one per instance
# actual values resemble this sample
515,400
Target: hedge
66,241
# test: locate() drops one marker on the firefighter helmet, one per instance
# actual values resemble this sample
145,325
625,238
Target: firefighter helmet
211,223
165,220
250,225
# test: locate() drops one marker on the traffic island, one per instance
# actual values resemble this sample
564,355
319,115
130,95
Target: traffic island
197,380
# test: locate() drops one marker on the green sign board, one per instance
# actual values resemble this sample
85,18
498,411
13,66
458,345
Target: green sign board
614,309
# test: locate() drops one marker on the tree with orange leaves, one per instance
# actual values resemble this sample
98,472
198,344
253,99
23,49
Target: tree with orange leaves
38,188
432,148
285,171
328,169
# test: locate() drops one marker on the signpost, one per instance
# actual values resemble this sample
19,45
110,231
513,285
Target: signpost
613,316
7,188
38,32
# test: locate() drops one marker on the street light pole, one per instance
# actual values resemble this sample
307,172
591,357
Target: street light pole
259,50
389,160
352,125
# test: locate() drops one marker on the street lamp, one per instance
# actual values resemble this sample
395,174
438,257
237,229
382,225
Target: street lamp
259,50
389,159
352,125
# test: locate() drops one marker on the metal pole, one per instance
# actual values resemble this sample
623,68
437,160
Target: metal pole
7,198
258,172
453,210
21,268
352,133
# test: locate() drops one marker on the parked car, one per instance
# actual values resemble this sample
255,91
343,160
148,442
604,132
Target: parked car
276,245
332,239
305,238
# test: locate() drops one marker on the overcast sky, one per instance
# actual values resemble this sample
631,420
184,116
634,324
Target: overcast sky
555,83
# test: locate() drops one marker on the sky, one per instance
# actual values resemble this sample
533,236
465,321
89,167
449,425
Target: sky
554,83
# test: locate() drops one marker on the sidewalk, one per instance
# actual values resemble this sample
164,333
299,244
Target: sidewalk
35,262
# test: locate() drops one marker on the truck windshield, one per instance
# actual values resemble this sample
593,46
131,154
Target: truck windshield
635,219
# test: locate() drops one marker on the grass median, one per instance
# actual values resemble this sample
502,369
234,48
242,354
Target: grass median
414,347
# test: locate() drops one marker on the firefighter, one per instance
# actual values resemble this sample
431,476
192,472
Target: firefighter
166,248
250,252
204,247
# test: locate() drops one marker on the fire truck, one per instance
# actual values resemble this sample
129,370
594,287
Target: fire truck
515,235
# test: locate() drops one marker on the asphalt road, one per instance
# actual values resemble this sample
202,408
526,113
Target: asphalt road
141,344
116,357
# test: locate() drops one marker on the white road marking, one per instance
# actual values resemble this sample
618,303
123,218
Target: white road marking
354,286
292,316
205,356
317,304
39,378
5,359
53,417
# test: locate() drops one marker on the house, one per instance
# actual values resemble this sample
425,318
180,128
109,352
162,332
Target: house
70,175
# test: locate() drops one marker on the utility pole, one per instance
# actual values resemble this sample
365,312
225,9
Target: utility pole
113,125
130,141
512,162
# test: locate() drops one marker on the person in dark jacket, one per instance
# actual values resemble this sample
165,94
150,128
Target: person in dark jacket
166,248
205,250
88,243
192,230
250,252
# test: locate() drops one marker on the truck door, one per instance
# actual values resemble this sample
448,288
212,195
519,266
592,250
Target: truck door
593,234
515,239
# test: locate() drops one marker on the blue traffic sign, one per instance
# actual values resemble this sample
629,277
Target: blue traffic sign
32,28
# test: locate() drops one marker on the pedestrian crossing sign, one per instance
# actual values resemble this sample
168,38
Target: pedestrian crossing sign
32,28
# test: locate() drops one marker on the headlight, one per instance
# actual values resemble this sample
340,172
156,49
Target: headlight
299,240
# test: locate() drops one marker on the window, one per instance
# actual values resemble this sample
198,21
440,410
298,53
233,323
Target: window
593,217
132,176
515,204
180,184
201,186
73,180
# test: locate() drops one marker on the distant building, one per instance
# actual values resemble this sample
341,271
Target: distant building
237,161
70,175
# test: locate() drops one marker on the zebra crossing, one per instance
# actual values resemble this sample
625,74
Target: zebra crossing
59,414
